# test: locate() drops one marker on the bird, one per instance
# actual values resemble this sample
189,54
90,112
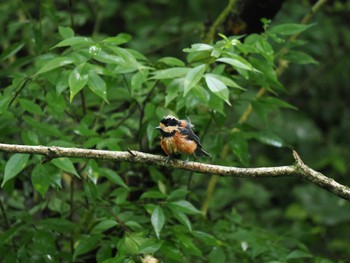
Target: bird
177,137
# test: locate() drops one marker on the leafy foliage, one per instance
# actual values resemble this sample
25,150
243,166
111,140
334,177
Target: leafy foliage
106,92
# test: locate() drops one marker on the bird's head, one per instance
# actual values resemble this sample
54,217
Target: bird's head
168,126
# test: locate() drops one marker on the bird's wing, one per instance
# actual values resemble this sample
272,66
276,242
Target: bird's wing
190,135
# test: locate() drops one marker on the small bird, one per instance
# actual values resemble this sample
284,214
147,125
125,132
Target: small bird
177,137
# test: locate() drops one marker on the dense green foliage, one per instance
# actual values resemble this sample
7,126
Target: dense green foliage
68,79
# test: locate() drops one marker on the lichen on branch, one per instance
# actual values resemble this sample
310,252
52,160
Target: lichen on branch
298,169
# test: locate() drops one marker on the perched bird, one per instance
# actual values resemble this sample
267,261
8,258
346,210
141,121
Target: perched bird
177,137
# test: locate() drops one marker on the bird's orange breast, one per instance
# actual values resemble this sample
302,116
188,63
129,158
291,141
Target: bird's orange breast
178,144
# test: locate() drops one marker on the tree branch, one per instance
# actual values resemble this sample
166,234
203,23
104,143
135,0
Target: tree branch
221,18
298,169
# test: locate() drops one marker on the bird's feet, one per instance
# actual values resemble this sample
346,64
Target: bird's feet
187,160
167,159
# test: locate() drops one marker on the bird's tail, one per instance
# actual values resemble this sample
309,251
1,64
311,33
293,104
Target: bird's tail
200,152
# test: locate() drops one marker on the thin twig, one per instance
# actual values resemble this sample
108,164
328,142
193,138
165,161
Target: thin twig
298,169
210,189
220,19
21,87
131,152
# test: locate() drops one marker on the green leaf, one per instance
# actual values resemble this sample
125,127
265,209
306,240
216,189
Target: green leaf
42,127
120,39
238,62
60,225
276,102
187,243
173,90
289,29
149,111
75,41
7,235
172,253
97,85
217,255
11,50
268,78
30,106
58,205
134,226
66,32
77,80
182,218
138,79
113,177
170,73
268,138
126,56
264,48
4,102
104,225
66,165
29,137
85,244
239,147
184,206
198,47
119,258
216,104
227,81
177,194
297,254
82,130
193,76
107,58
130,244
41,179
171,61
54,63
206,238
299,57
150,246
217,87
43,242
14,166
104,253
153,194
158,219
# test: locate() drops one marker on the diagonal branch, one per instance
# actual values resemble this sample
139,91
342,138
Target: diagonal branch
298,169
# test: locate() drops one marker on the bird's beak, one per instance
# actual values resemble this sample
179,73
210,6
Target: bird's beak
157,128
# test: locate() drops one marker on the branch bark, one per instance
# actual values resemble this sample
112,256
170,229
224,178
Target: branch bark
298,169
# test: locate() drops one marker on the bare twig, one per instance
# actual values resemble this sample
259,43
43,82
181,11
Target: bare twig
220,20
298,169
